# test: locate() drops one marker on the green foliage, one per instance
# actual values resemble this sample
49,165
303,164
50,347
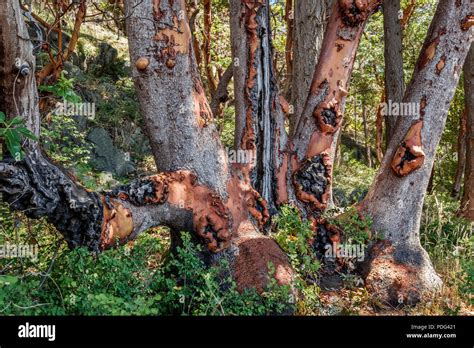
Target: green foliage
356,227
294,235
442,233
11,132
133,281
63,88
65,142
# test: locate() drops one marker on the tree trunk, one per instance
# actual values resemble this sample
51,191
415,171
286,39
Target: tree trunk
310,17
366,136
379,129
290,24
212,84
461,155
467,202
400,269
316,132
394,84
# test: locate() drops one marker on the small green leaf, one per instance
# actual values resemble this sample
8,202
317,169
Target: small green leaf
2,117
16,121
26,132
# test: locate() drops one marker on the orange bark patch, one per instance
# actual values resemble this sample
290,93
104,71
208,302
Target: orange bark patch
410,155
440,65
430,51
329,116
142,63
211,218
467,22
117,224
175,40
202,110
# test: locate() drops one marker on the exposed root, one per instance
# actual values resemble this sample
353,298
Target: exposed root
313,181
410,155
251,260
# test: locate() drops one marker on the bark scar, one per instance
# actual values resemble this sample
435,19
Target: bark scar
410,155
313,181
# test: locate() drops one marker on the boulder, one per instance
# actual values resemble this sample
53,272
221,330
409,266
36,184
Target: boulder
106,156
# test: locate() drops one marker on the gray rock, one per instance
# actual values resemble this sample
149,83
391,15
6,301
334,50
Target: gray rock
105,156
72,70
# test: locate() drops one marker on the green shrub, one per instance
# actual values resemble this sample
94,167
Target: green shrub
294,236
133,281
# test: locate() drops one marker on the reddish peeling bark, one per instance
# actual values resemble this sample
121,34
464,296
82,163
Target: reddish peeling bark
227,205
409,155
259,107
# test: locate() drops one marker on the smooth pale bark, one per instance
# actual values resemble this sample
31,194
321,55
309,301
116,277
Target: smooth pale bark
394,83
467,203
395,203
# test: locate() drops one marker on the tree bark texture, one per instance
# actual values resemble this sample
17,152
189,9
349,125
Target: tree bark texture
395,199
